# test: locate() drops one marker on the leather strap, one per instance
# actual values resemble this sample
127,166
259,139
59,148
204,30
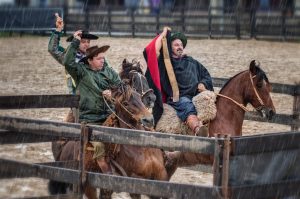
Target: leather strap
170,71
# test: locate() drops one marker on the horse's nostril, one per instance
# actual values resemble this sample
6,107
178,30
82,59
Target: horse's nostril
148,121
271,114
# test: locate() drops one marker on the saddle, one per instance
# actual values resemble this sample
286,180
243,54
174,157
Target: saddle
111,151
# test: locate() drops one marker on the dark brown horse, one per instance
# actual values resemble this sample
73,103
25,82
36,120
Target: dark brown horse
250,86
136,161
132,73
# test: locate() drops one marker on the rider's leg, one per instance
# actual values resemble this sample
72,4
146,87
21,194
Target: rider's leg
99,156
196,126
187,113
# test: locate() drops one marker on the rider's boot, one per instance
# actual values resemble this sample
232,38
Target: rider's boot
197,126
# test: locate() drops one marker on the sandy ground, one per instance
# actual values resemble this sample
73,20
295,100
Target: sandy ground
27,68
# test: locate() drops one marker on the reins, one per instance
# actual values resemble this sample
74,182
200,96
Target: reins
241,105
142,87
113,112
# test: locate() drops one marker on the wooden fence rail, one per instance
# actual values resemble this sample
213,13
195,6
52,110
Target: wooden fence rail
228,181
195,22
229,153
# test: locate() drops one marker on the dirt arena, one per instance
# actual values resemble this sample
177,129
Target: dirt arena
27,68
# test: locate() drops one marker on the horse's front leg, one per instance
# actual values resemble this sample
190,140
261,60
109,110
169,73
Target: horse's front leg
90,192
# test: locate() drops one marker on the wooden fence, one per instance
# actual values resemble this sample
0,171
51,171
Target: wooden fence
201,22
274,157
212,22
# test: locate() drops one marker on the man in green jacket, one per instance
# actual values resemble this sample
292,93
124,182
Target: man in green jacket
58,53
93,78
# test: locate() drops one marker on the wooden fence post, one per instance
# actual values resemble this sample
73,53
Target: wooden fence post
157,22
296,107
283,23
238,21
65,17
132,22
209,22
253,21
182,19
109,20
221,165
87,18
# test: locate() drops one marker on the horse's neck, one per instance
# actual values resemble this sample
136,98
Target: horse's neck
229,118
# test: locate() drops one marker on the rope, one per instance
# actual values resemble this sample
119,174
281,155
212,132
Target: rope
240,105
255,91
113,112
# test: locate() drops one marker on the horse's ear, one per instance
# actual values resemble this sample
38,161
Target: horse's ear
254,67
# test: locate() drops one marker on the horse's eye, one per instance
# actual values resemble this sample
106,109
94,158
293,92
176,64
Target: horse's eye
125,103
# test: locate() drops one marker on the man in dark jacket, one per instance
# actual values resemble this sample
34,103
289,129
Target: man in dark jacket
191,76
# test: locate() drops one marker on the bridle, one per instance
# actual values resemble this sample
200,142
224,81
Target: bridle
124,108
143,92
262,105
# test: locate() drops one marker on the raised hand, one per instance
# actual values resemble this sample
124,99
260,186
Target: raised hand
78,34
59,23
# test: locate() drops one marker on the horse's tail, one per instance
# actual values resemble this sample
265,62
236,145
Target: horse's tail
56,187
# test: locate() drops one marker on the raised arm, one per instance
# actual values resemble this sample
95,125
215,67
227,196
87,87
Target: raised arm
73,68
158,42
54,48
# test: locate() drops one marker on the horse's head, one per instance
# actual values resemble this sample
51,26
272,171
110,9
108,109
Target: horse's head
130,109
132,74
260,97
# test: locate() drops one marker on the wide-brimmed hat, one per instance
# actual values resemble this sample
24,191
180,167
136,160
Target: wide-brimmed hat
85,35
181,36
94,51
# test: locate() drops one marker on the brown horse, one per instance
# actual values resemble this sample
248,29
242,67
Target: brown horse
136,161
250,86
132,74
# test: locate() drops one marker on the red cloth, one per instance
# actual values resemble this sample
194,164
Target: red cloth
152,64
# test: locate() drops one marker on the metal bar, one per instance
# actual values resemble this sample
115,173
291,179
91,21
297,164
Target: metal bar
150,187
274,190
39,101
265,143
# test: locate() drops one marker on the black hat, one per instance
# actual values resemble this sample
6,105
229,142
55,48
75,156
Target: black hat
93,51
181,36
85,35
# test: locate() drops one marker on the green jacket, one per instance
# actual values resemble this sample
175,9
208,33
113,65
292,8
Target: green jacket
91,84
58,53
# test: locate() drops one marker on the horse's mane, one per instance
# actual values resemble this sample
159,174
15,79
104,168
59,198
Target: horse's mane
128,67
260,73
123,90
